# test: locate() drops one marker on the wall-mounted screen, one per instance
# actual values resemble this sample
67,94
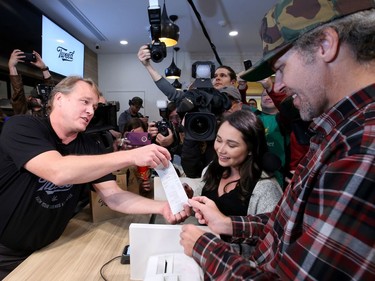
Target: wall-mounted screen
61,52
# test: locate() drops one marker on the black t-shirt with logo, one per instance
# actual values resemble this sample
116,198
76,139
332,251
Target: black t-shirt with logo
34,212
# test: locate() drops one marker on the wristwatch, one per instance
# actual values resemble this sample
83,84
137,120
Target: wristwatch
44,69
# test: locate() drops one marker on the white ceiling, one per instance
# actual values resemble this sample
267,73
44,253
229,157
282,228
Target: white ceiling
106,22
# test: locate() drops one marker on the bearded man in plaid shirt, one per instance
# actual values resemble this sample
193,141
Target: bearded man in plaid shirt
323,55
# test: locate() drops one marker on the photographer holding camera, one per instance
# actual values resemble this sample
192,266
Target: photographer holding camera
195,155
21,103
224,76
168,132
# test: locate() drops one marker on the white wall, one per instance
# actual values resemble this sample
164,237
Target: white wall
121,76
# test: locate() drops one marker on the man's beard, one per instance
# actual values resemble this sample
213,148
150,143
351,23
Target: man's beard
313,107
306,111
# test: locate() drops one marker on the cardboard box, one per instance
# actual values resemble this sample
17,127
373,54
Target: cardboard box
99,209
128,180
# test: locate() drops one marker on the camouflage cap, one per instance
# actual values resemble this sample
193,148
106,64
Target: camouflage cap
289,19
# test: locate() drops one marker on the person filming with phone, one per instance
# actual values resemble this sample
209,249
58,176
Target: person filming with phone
135,135
30,104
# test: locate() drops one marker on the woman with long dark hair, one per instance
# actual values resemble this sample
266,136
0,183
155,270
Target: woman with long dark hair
236,179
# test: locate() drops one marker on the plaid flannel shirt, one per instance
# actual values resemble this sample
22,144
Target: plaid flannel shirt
324,225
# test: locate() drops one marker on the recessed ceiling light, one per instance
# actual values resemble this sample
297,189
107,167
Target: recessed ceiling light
233,33
124,42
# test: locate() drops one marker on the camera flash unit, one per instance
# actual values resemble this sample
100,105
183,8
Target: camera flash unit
161,104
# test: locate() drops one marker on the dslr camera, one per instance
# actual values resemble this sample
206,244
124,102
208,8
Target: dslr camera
158,51
163,127
157,48
164,124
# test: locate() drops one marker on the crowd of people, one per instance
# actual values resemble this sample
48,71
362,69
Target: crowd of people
287,186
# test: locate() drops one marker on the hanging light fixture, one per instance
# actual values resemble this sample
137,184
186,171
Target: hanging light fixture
170,32
173,72
177,84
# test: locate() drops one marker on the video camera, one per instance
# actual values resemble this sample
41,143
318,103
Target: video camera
105,117
42,92
203,105
157,48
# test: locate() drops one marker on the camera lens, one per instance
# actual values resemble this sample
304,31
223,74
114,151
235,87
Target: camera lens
158,51
199,125
156,56
163,128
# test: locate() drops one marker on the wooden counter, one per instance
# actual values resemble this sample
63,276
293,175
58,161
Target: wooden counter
81,251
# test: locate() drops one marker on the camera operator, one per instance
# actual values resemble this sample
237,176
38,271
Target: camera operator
20,103
195,155
168,132
224,76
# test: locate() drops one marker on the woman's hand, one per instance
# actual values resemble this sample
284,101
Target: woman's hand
207,212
